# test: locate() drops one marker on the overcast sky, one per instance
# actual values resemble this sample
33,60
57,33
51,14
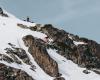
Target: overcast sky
80,17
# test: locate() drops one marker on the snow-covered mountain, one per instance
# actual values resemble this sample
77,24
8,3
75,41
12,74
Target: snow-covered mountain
31,51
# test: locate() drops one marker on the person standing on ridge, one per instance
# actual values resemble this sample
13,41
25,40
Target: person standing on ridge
28,19
1,11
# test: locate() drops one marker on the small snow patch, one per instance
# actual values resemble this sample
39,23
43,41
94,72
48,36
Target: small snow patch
79,43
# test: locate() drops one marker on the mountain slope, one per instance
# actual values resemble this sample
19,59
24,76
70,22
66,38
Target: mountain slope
43,52
11,33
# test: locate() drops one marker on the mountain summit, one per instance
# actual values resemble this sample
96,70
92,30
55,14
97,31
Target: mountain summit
31,51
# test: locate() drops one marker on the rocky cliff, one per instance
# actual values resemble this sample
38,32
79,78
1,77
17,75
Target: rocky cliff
9,73
37,48
82,51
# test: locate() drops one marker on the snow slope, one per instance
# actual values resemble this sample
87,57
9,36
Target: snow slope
69,70
10,32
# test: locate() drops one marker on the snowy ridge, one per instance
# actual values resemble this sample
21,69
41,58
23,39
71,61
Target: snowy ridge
11,33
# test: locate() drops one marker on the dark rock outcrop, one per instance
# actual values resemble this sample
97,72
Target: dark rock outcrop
2,13
22,26
9,73
6,58
16,53
38,50
87,55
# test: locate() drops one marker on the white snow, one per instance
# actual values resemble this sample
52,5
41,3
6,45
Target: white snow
10,32
76,42
50,40
70,36
79,43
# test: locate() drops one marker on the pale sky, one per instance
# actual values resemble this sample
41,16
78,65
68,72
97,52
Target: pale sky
80,17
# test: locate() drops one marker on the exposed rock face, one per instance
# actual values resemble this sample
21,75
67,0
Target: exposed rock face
84,55
38,50
15,52
18,56
2,13
61,78
9,73
22,26
6,58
